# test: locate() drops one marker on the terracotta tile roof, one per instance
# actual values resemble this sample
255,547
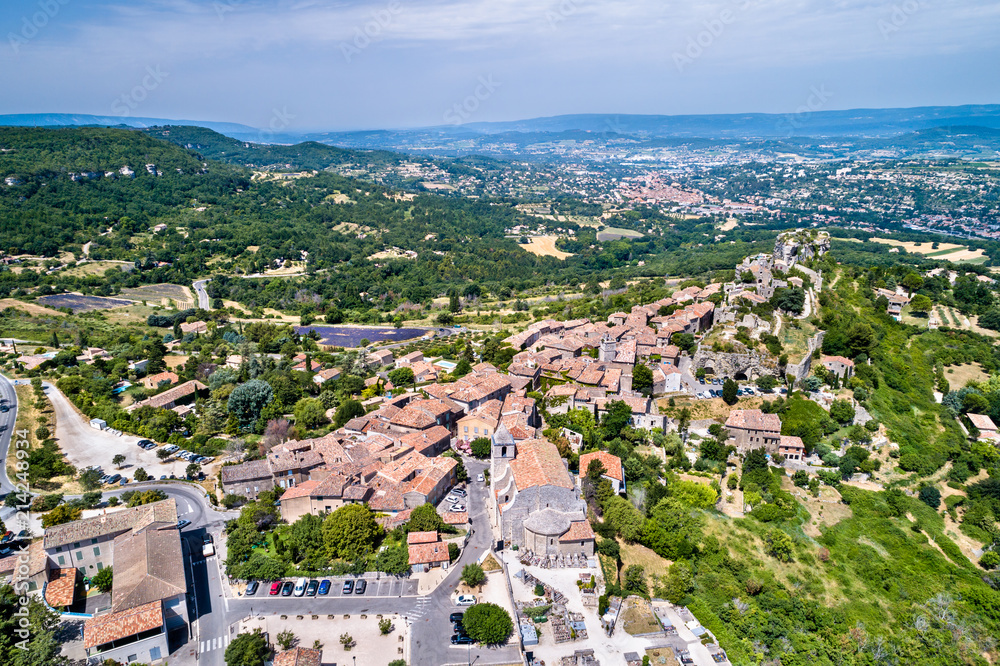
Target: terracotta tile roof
838,359
113,626
171,395
253,469
111,524
426,439
612,464
422,537
298,656
303,489
37,559
455,517
790,442
153,381
579,530
982,422
149,567
428,553
753,419
386,498
538,464
62,583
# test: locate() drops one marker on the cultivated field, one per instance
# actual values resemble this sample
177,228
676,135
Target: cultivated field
545,246
79,303
161,294
943,251
614,233
30,308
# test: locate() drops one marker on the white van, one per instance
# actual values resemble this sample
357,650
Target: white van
300,587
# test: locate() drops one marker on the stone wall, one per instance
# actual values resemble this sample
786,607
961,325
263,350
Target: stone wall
752,364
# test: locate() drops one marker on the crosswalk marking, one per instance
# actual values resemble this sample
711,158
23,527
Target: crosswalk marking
214,644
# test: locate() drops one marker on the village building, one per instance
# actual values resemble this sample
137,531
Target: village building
613,470
753,429
840,366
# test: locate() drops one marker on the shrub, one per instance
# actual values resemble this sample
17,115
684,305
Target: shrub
103,580
990,560
930,496
385,625
473,575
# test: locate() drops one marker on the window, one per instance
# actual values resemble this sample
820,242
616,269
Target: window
62,560
100,566
131,658
154,653
97,552
79,555
477,430
466,428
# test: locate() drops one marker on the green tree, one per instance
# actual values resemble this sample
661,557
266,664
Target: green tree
766,382
930,496
679,581
394,560
624,517
103,579
309,413
842,411
248,399
779,545
990,560
192,470
385,626
482,447
642,379
90,479
248,650
117,460
912,282
162,454
488,623
729,389
402,376
616,419
635,579
350,409
64,513
286,639
473,575
42,432
425,518
350,532
595,469
921,304
140,474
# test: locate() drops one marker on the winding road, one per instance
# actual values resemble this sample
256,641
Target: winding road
199,287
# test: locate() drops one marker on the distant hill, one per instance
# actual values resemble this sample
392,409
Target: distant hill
82,119
307,155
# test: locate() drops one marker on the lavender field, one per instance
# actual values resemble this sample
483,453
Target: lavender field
351,336
78,303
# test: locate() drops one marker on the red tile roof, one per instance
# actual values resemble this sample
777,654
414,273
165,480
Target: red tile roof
612,464
538,464
113,626
579,530
753,419
62,583
298,656
422,537
428,553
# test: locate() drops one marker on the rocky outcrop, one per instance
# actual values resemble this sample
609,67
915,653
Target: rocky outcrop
750,365
801,245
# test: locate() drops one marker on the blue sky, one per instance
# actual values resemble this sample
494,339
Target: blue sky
319,64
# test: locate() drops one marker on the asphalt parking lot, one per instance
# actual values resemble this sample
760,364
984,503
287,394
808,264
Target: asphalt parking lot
384,587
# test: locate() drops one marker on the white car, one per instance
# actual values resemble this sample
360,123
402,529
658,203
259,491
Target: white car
451,499
465,600
480,478
458,508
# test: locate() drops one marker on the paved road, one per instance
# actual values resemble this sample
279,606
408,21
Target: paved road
199,288
7,421
215,614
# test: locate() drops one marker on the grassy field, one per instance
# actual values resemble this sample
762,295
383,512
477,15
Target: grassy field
93,268
614,233
960,375
31,308
943,251
544,246
714,408
161,294
635,553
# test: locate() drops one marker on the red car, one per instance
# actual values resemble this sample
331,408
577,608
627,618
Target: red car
275,587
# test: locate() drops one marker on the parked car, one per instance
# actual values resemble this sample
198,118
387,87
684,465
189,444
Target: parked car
275,587
324,586
252,588
123,481
300,587
348,587
311,588
461,639
361,586
286,589
113,479
163,477
458,508
465,600
171,448
144,442
456,617
181,524
460,492
480,478
450,499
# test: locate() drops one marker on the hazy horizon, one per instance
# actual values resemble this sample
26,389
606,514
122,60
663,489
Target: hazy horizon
311,65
